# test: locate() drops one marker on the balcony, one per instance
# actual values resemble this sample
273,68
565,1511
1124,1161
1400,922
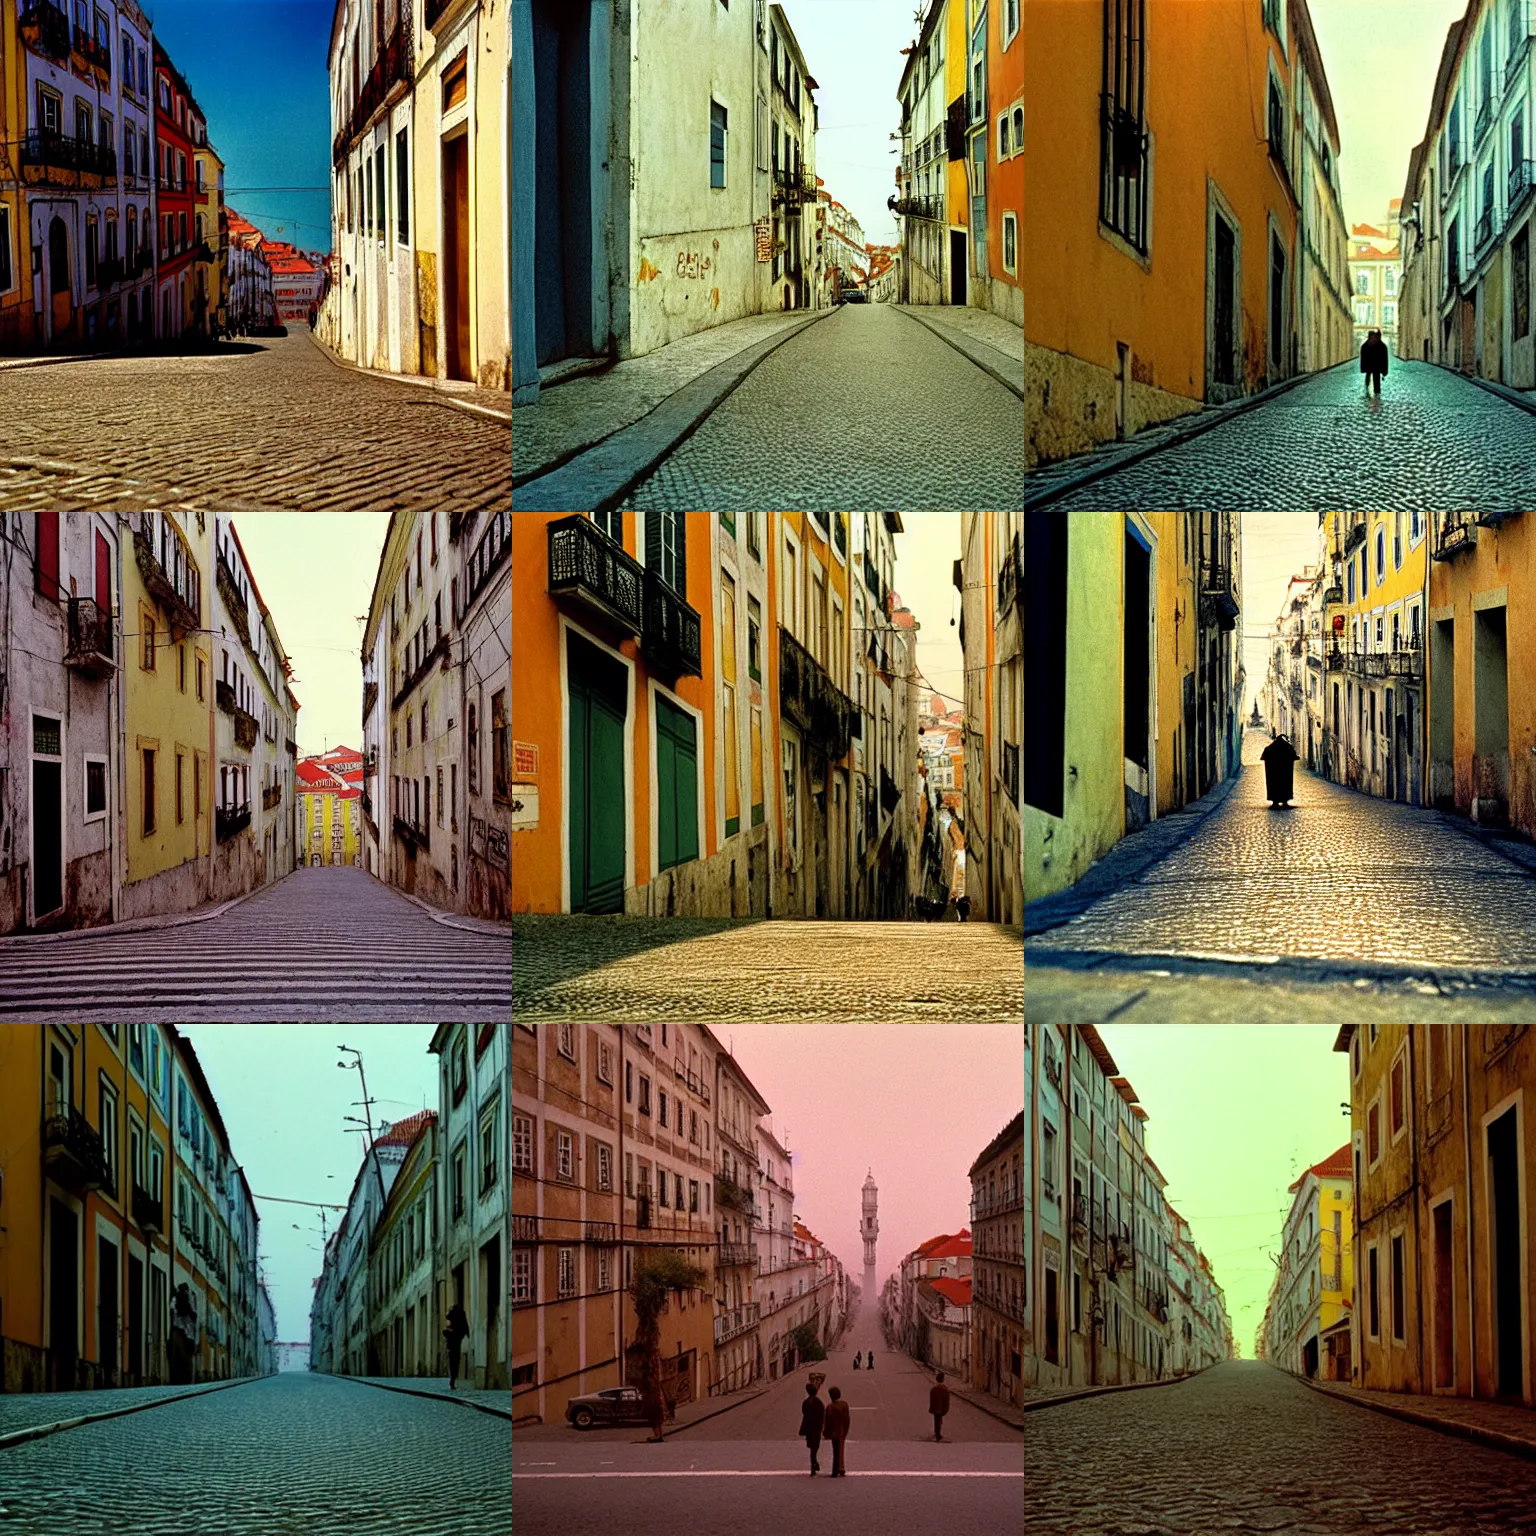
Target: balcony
1519,38
1484,113
591,570
414,837
246,725
1355,537
53,158
811,701
787,187
370,698
45,30
1010,773
1482,232
1218,597
148,1212
90,649
1010,576
161,587
737,1321
73,1153
394,64
230,821
1333,594
1454,532
291,746
1517,187
729,1193
93,56
999,1204
234,603
737,1253
441,651
271,797
671,641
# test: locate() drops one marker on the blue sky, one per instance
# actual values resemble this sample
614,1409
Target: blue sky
258,71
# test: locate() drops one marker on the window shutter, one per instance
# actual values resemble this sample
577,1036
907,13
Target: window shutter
47,557
653,541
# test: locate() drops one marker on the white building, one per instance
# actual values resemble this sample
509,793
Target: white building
1375,277
473,1205
406,1336
925,234
250,298
265,1363
738,1108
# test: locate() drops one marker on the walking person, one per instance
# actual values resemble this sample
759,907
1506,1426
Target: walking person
836,1424
1373,361
857,1356
938,1404
812,1417
455,1333
869,1363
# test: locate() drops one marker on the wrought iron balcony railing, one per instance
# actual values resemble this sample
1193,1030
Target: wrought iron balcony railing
670,641
811,700
161,586
416,837
73,1151
1355,537
90,638
148,1212
1334,594
234,603
230,821
45,29
585,565
737,1253
271,796
1218,597
1454,532
45,152
395,63
737,1321
728,1192
1013,1200
1483,231
1517,187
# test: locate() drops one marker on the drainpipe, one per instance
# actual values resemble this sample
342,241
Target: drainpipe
1418,1247
1466,1138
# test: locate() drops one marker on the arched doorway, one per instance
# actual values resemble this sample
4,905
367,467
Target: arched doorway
61,298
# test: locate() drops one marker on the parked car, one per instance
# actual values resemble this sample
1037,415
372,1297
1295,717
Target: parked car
853,296
613,1405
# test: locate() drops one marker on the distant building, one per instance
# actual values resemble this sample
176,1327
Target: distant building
1375,271
298,281
995,1312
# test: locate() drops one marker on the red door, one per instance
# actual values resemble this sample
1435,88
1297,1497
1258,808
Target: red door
103,575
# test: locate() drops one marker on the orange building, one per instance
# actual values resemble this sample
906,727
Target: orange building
1005,183
297,283
1161,260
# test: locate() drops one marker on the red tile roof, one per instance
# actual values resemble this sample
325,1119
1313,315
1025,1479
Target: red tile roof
404,1132
1337,1165
948,1245
955,1291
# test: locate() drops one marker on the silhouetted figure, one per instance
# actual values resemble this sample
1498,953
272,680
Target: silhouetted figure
455,1334
837,1420
938,1404
812,1416
1373,361
857,1357
1279,759
869,1362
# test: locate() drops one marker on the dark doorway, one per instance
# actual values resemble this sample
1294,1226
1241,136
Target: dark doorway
490,1255
1309,1357
1441,664
456,247
563,179
957,256
60,295
1504,1227
135,1321
107,1353
47,837
1223,322
159,1316
1138,676
63,1295
1052,1322
598,690
1045,642
1445,1305
1277,347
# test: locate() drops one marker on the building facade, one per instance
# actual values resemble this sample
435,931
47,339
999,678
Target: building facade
1375,281
405,1335
1314,1280
999,1282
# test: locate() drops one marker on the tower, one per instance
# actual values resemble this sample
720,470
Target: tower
869,1225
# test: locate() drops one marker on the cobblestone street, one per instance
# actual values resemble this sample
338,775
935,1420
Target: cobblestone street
1244,1447
289,1455
266,424
1343,890
866,408
1435,440
792,971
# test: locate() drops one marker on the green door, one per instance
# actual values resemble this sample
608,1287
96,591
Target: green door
598,693
677,809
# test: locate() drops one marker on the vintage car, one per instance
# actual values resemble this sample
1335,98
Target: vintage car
613,1405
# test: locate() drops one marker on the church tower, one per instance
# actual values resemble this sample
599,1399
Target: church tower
869,1226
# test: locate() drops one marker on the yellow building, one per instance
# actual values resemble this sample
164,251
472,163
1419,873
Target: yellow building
1166,147
1443,1255
17,322
211,231
1314,1282
1482,723
168,712
330,825
1374,598
405,1336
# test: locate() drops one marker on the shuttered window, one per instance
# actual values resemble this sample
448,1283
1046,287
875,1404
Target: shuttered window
677,815
47,558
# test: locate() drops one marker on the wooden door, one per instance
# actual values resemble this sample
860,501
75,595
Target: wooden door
456,256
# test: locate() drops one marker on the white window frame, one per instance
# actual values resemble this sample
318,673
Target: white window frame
1009,217
604,1062
565,1156
522,1276
85,781
604,1167
522,1143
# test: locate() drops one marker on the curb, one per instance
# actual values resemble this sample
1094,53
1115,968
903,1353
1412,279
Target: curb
1197,422
438,395
143,924
600,477
440,1397
715,1413
1511,396
1493,1438
1124,1386
1129,864
446,918
963,1394
41,1431
51,362
964,346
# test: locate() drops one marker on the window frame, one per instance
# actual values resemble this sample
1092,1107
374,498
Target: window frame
101,760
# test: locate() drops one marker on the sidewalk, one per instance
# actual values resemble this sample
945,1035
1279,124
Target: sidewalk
579,412
1006,1412
1500,1425
1045,1397
142,924
31,1415
459,393
686,1415
494,1401
995,345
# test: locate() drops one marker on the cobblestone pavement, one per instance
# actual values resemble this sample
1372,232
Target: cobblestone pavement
1243,1447
1436,440
586,409
437,1386
573,967
863,409
28,1410
1341,876
978,324
319,945
291,1455
277,426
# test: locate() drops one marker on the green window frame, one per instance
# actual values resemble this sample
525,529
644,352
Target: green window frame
677,787
728,522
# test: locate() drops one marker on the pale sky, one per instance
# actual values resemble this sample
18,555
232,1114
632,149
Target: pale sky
1380,57
284,1105
853,51
926,551
1276,545
1237,1114
315,572
913,1103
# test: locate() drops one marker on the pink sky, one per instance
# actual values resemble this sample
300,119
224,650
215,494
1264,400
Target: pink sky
914,1102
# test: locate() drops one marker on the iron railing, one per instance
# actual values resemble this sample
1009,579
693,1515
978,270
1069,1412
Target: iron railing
47,149
1454,532
90,638
737,1253
737,1321
811,700
393,64
1218,596
671,639
230,821
588,566
72,1147
1355,537
148,1212
45,29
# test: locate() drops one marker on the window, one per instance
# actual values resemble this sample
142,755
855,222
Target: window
522,1143
522,1277
629,1082
693,1195
1399,1332
567,1285
472,749
488,1172
181,766
661,1108
149,790
717,140
604,1167
108,1108
645,1094
1373,1134
677,818
96,791
754,639
604,1062
1011,242
403,204
1397,1118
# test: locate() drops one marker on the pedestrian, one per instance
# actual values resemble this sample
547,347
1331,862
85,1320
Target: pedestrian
455,1333
311,317
1373,361
183,1338
836,1425
869,1363
1279,759
812,1416
857,1357
938,1405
